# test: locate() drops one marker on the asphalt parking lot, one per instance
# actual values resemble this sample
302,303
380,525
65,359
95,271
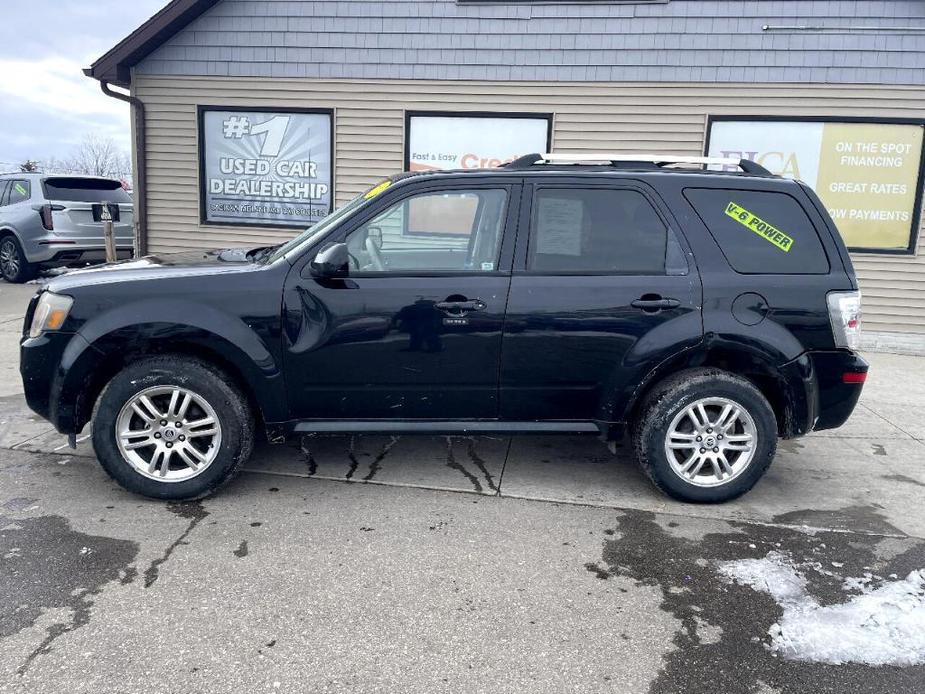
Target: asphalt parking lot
384,564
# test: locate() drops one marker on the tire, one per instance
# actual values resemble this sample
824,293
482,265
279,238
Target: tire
665,410
197,465
13,264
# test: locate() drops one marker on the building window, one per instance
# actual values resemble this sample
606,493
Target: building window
440,140
866,171
265,166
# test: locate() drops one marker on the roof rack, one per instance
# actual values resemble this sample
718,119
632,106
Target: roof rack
657,160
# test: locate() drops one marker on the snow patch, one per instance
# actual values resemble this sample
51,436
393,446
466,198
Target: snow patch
881,626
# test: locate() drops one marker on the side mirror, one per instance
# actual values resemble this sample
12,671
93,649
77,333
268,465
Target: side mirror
332,262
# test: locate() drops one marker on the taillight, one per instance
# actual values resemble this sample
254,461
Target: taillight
45,214
845,317
854,377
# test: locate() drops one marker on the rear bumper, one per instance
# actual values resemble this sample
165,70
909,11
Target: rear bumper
817,395
50,252
72,256
836,398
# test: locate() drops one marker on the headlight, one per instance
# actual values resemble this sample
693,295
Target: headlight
50,313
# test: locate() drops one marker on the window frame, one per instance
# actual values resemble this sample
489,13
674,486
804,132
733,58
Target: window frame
526,226
5,186
398,194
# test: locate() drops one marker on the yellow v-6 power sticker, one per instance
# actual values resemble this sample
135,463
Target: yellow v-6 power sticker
768,232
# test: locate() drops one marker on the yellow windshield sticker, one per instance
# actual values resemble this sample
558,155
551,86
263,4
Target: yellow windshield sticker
20,189
373,192
767,231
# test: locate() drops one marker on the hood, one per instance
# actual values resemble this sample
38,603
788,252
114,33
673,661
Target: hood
185,264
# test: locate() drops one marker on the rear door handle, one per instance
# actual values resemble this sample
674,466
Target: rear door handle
461,306
655,303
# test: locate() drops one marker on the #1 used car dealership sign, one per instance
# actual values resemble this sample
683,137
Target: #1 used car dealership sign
867,174
265,168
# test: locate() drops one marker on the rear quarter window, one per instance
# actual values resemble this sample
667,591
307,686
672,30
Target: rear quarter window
19,190
760,232
85,190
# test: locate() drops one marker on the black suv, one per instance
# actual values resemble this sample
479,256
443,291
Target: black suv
704,313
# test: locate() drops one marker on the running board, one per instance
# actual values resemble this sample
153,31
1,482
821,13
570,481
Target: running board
371,426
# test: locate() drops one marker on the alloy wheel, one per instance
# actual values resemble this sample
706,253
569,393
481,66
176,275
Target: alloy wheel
711,441
168,433
9,258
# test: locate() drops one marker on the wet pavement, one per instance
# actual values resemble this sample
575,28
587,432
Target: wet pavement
428,564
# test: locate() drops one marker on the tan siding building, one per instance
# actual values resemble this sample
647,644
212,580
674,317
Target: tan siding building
211,60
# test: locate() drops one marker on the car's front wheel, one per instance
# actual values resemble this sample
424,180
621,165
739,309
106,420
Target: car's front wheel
705,435
172,428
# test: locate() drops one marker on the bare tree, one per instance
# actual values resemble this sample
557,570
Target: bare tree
53,165
29,166
99,156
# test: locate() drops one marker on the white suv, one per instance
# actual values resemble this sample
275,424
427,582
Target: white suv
48,221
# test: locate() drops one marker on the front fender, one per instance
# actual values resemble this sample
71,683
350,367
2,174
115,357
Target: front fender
116,335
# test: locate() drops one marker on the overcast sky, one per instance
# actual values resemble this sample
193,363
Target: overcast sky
46,102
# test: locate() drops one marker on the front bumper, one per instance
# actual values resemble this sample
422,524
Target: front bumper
49,365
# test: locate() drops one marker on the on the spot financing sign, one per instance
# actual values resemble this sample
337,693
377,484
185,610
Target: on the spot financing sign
265,168
866,174
440,142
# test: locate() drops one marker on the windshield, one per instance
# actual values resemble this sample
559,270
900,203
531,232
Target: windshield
313,233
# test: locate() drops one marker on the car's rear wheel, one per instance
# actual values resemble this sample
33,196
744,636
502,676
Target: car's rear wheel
705,435
13,264
172,428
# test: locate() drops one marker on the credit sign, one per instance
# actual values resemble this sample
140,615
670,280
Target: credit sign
440,141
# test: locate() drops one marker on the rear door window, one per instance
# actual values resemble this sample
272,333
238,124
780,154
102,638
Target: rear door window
599,230
760,232
19,191
68,189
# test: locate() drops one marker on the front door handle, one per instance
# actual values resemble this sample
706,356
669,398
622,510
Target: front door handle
653,303
461,306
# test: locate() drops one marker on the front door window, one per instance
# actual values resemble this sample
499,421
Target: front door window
457,231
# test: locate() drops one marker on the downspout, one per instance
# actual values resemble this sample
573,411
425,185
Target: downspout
141,176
